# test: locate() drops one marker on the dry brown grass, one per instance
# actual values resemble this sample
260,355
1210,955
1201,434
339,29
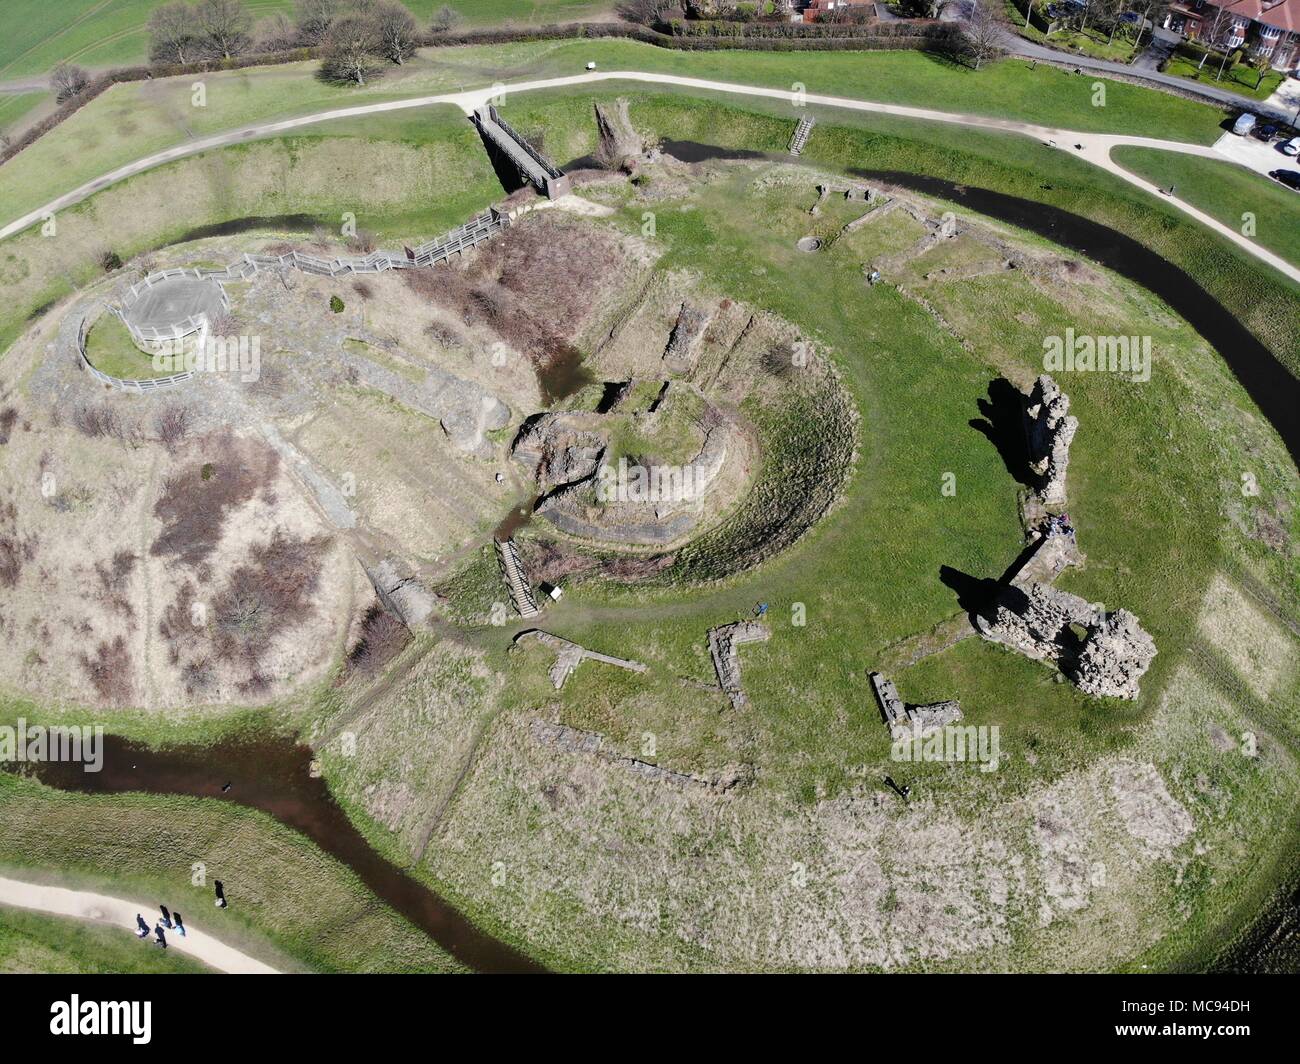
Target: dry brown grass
195,501
382,638
109,671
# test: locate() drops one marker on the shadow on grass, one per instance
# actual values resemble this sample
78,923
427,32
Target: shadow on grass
1003,426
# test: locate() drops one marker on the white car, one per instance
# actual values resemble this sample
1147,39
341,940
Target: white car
1290,147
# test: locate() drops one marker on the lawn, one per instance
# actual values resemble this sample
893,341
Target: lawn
1237,78
134,120
105,33
111,350
1227,192
33,942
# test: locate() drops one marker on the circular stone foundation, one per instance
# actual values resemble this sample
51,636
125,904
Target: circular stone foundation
809,243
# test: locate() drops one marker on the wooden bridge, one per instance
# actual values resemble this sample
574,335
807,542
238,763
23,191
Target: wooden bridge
531,164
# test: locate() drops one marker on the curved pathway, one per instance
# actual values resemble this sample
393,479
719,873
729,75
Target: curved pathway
101,909
1092,147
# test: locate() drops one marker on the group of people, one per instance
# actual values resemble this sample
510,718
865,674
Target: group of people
171,921
167,922
1058,525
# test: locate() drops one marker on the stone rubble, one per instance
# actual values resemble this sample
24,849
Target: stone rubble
907,721
1041,622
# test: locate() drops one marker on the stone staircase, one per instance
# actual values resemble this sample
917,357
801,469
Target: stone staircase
521,594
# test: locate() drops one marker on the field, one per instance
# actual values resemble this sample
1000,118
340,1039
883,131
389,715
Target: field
106,33
1227,192
803,860
133,120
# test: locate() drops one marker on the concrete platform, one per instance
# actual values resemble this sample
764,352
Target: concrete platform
175,300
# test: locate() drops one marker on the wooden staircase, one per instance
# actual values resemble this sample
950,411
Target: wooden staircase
521,594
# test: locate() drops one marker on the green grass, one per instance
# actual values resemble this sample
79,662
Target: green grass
1237,78
133,120
1092,42
104,33
1227,192
33,942
111,350
16,108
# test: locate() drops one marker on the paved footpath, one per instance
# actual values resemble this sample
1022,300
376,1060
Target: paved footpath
101,909
1094,148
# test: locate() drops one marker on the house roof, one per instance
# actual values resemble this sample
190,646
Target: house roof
1284,14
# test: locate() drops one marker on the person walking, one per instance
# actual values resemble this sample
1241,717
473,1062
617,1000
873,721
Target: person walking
144,928
166,916
162,938
221,895
180,926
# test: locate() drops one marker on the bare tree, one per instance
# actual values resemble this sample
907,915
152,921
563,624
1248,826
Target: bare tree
446,18
67,81
650,12
314,19
223,27
171,34
396,30
275,34
350,50
984,34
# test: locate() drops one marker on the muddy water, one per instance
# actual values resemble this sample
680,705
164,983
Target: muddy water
521,513
563,374
273,775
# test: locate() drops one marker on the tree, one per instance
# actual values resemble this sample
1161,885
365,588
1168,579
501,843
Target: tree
396,31
276,34
223,27
648,12
350,50
984,34
445,19
171,34
67,81
314,18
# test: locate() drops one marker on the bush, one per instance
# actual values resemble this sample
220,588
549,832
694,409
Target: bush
336,304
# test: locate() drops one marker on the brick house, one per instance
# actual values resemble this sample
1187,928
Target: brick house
1269,28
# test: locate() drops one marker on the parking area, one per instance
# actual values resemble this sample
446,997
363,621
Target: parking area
1252,152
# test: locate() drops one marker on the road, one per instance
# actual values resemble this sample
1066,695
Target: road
116,912
1093,148
1017,45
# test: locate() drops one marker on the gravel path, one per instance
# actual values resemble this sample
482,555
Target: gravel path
115,911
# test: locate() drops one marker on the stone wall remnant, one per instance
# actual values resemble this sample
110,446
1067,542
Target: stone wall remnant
1049,429
723,642
908,721
569,655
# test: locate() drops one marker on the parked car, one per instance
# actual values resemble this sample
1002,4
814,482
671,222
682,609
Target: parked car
1267,131
1290,178
1290,147
1244,124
